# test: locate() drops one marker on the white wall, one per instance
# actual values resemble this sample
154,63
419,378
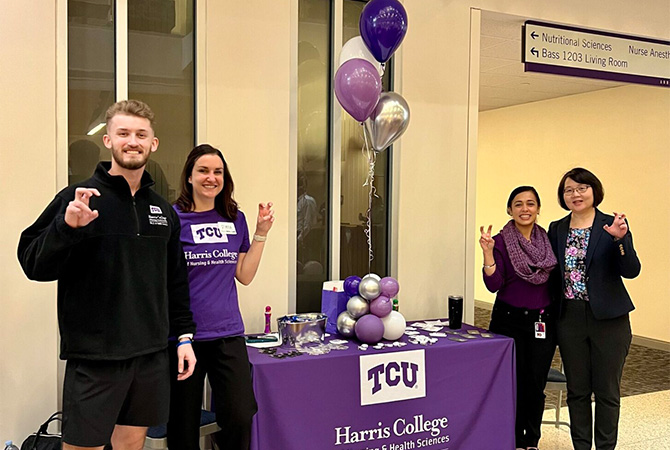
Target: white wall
621,135
28,353
433,161
247,117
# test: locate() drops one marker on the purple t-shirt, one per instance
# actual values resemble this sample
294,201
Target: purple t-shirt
511,288
212,245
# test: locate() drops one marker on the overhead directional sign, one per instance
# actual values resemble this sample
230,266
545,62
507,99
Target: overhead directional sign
565,50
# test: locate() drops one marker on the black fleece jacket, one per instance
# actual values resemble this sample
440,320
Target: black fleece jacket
122,280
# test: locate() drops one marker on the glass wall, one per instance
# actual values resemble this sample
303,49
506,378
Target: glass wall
314,56
354,253
91,86
160,72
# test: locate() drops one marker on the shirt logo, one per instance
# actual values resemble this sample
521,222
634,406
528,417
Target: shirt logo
390,377
208,233
158,220
155,209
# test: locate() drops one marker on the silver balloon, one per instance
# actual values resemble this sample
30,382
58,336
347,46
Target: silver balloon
345,324
388,121
369,288
357,307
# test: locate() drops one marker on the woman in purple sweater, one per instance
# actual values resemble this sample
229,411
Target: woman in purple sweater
517,263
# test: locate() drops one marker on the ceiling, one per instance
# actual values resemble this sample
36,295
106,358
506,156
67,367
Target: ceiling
502,81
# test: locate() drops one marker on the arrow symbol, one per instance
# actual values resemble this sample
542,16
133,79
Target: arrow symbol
535,52
534,35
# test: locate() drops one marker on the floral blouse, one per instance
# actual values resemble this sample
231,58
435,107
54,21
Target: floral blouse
575,264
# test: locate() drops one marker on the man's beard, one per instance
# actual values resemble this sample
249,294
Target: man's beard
129,165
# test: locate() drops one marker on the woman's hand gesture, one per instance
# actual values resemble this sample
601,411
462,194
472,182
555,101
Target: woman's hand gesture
619,227
486,241
265,218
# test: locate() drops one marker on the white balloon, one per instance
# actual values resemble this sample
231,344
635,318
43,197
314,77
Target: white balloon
394,326
356,48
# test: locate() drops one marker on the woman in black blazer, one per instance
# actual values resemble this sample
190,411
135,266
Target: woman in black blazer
594,251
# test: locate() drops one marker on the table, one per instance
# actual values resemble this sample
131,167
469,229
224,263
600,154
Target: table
449,395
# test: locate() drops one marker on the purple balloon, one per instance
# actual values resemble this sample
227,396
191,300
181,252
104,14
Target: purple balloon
351,285
358,87
381,306
389,286
369,329
383,25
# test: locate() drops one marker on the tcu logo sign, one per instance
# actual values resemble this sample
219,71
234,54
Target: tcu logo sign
392,374
208,233
390,377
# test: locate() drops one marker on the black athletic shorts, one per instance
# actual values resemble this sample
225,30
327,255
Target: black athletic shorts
97,395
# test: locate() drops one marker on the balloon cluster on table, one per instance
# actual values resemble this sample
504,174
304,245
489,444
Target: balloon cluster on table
369,315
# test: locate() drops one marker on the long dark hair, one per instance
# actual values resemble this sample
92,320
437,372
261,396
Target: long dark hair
224,203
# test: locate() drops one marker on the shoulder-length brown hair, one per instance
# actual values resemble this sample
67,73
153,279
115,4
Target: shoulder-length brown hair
224,203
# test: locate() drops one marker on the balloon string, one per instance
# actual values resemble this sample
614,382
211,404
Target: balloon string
371,156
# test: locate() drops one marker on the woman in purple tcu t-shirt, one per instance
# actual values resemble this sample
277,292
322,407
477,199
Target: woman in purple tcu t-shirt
517,263
217,252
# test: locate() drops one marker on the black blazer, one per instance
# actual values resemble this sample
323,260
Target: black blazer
607,261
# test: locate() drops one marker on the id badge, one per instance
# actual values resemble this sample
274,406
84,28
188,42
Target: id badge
540,330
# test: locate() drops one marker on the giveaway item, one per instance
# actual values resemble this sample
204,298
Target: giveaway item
455,312
333,302
302,329
42,439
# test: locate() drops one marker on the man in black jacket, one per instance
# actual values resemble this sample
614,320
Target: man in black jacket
113,245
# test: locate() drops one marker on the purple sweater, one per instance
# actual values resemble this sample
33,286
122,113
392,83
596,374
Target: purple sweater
512,289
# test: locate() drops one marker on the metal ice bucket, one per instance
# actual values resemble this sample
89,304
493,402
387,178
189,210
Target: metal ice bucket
301,329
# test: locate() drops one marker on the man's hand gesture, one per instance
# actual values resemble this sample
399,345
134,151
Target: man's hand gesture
78,214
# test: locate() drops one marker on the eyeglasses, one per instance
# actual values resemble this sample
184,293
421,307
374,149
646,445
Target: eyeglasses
579,189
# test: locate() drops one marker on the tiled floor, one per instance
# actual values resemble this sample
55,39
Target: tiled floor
644,424
646,369
645,403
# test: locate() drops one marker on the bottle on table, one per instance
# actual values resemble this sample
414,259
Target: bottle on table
9,445
395,304
455,312
268,315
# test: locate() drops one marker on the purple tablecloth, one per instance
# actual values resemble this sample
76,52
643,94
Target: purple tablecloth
465,397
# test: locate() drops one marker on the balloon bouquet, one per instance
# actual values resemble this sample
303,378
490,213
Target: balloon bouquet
369,315
358,86
384,117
